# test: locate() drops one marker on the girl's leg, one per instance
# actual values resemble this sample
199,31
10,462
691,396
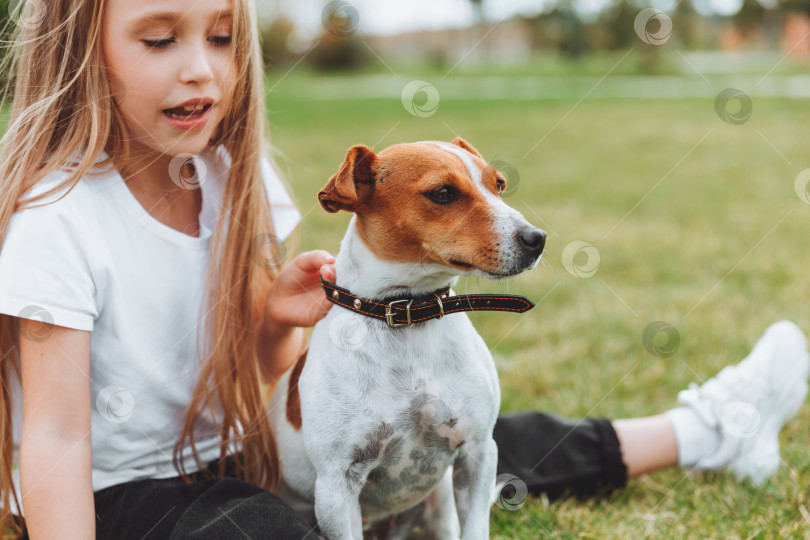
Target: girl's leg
209,508
231,508
647,444
732,422
546,453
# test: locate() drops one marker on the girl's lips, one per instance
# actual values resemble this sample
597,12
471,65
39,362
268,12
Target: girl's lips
196,122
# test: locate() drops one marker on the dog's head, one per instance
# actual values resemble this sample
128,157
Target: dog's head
434,203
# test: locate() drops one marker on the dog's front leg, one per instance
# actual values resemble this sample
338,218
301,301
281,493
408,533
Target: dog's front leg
337,508
474,472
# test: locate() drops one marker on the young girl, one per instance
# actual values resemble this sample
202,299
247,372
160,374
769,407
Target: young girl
135,219
117,264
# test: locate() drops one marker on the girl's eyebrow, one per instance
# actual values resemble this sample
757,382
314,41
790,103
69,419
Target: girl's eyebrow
171,17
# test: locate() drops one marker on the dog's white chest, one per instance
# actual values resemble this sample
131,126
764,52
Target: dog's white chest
398,408
417,442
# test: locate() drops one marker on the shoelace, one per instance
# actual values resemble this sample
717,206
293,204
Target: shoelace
719,390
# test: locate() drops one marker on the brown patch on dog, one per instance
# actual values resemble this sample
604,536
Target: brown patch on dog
396,219
293,397
403,225
458,141
352,184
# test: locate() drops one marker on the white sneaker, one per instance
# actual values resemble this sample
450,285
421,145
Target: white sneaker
750,402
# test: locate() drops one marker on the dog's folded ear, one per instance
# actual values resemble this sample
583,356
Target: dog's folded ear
458,141
352,184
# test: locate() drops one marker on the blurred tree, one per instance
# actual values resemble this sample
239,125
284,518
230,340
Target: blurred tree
274,40
6,7
6,28
801,6
573,43
750,18
336,52
687,21
619,19
338,47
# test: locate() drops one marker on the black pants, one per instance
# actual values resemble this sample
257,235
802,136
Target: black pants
546,453
556,456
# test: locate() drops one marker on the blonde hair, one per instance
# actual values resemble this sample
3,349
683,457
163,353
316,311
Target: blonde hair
62,106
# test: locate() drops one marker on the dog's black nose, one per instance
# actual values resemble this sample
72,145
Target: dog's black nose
532,240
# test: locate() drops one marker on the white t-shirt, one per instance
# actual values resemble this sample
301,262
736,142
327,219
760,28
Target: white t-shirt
96,260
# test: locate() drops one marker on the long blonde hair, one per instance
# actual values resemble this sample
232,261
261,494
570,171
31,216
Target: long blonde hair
63,107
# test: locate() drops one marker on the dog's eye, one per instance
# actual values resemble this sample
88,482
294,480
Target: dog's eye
501,185
444,195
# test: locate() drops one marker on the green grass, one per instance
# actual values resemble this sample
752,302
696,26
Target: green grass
697,224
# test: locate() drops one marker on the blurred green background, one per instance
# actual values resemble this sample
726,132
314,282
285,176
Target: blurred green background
691,197
696,223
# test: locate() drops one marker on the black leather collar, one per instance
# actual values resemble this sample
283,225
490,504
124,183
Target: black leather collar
409,311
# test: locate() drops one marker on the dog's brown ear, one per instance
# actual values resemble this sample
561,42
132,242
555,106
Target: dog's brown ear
352,184
458,141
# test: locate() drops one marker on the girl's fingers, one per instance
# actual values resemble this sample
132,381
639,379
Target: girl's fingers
325,309
311,261
328,272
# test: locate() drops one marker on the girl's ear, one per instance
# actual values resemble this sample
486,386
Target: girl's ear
353,184
458,141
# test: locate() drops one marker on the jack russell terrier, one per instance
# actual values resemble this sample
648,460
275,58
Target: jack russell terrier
385,426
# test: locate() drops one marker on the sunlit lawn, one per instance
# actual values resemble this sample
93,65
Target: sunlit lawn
696,223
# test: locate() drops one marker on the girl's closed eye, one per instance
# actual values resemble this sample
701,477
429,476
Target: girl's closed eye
159,43
220,41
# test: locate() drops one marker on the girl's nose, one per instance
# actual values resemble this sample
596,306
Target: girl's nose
196,65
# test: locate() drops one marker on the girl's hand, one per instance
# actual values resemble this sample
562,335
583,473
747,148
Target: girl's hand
296,297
